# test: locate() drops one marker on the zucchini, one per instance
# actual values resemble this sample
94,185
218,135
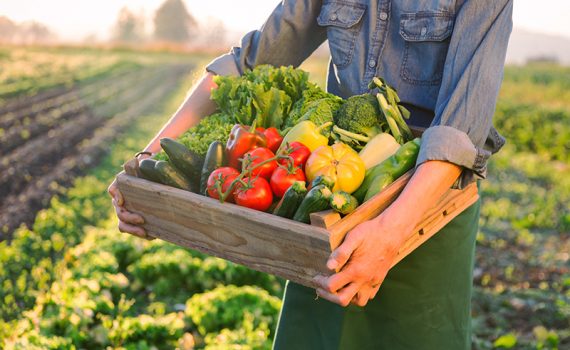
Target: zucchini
171,177
381,175
187,162
146,166
291,200
317,199
323,180
343,202
215,158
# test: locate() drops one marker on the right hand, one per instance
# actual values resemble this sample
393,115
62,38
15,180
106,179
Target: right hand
128,222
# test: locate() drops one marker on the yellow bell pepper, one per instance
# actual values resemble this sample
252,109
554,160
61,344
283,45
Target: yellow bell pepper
308,134
340,162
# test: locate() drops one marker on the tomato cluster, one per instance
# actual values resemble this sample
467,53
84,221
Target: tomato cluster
265,176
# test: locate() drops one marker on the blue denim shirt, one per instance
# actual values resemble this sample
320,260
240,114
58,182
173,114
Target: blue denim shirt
443,56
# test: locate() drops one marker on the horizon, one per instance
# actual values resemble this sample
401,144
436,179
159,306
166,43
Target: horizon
88,19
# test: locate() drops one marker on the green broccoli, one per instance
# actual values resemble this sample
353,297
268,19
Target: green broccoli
310,95
357,120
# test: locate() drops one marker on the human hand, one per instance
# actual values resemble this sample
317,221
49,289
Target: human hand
128,222
364,258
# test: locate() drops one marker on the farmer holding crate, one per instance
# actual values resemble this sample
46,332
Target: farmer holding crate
445,58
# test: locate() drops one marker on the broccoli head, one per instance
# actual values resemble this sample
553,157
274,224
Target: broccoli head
357,120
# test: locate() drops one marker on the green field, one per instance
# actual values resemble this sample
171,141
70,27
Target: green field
70,280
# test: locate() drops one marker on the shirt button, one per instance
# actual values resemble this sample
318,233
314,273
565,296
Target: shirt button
424,31
333,17
383,16
372,63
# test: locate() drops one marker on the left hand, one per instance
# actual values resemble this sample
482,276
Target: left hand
364,258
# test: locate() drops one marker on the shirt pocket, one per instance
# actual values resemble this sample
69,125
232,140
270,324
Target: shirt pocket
426,36
342,21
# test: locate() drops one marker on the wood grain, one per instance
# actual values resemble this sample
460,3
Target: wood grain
449,206
266,242
262,241
368,210
325,218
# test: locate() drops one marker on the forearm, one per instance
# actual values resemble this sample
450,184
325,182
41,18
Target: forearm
196,105
430,181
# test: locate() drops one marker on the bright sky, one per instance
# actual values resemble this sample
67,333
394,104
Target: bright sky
74,19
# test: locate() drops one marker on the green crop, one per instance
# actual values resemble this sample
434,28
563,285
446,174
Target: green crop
357,119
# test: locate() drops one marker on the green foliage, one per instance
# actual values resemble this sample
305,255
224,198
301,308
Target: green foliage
315,104
65,284
359,114
215,127
264,94
227,306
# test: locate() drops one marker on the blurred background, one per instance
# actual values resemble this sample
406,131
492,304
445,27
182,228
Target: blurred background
85,85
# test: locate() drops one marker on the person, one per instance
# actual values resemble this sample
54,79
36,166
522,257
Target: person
446,59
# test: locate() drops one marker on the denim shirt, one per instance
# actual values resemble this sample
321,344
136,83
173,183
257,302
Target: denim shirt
443,56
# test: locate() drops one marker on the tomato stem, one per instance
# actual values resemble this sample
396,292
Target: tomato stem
247,170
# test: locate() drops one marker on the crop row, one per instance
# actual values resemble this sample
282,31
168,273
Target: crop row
55,98
30,173
52,117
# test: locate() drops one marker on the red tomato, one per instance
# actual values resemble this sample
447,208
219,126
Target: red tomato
300,153
224,174
283,178
255,195
259,155
273,138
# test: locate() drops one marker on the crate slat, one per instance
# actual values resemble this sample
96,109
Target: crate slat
262,241
266,242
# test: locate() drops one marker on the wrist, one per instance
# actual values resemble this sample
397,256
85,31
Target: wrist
393,228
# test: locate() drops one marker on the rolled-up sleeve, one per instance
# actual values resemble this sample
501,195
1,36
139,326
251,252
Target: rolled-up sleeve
470,85
288,37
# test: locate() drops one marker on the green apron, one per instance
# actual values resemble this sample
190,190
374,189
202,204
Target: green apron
424,302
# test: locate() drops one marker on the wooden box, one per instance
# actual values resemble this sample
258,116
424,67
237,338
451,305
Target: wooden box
263,241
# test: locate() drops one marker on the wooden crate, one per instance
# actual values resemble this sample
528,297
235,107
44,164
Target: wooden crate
263,241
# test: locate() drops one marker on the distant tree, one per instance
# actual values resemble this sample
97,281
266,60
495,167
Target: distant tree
173,22
8,29
213,33
34,32
129,27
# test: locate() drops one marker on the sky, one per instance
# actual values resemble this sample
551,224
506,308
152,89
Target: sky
75,19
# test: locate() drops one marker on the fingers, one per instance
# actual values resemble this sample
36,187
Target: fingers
132,229
113,190
127,216
337,281
343,297
342,253
363,296
375,290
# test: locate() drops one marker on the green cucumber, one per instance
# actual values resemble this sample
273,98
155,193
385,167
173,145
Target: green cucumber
146,166
170,176
317,199
215,158
343,202
291,200
380,182
383,174
323,180
187,162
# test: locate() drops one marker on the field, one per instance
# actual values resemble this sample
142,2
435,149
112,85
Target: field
68,279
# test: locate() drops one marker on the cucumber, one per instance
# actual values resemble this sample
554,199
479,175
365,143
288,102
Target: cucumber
215,158
146,166
323,180
291,200
343,202
316,200
187,162
171,177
